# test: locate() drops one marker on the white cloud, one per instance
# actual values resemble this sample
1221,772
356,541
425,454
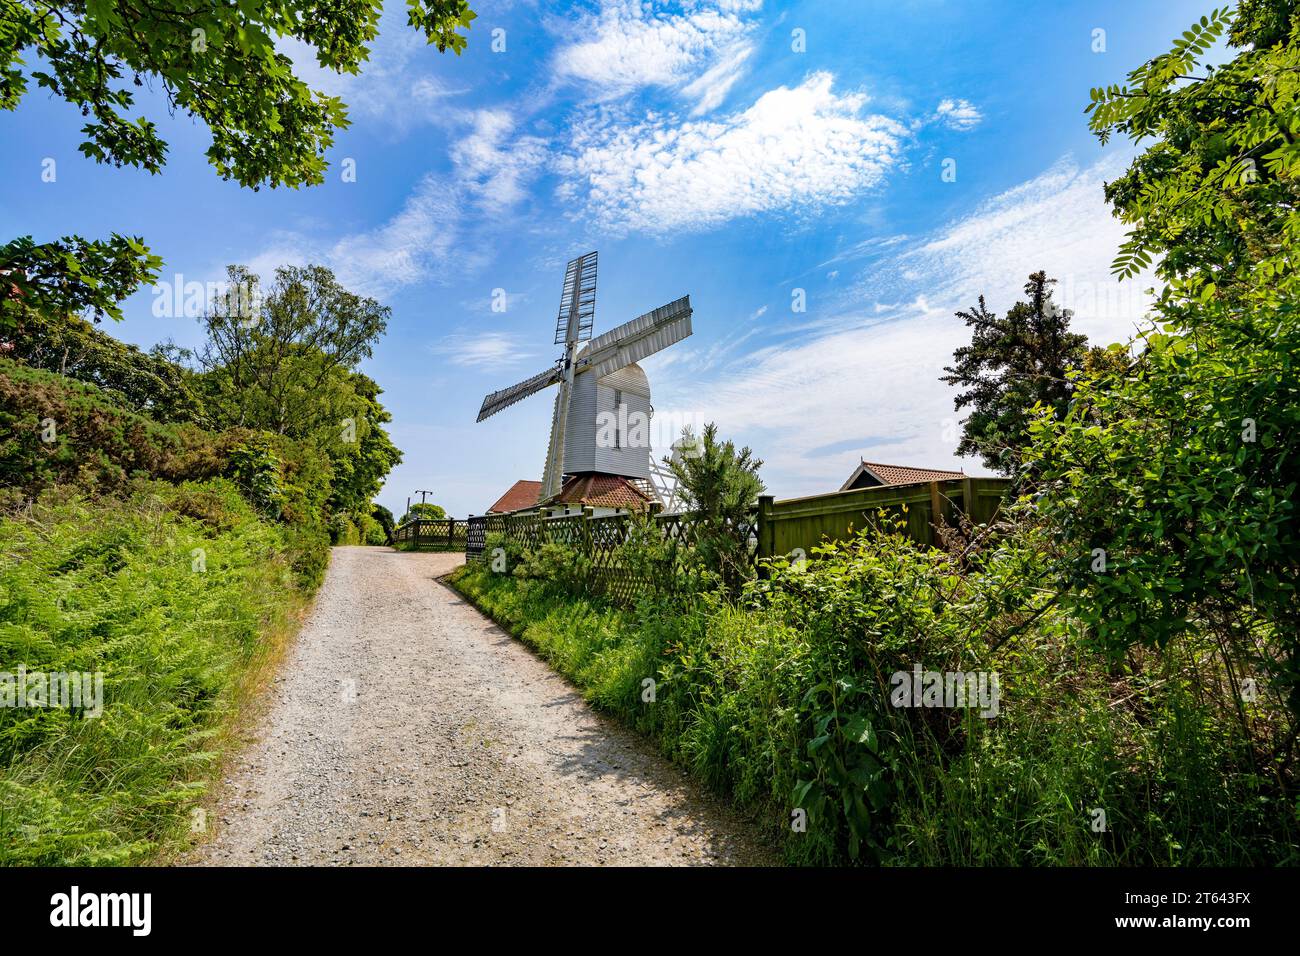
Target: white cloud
958,114
1057,221
795,149
439,224
490,351
402,250
700,49
712,86
873,367
493,163
761,310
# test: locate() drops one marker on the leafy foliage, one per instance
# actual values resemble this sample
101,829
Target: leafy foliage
1215,197
1183,475
217,63
69,346
556,564
1182,471
72,275
60,431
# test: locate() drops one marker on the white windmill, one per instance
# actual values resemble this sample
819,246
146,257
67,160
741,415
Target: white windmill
600,386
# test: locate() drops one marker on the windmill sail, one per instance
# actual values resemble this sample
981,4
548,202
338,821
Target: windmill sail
638,339
508,396
577,301
553,470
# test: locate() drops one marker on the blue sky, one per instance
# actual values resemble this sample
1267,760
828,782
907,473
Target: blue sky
701,153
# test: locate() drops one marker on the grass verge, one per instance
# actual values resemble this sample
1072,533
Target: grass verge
183,598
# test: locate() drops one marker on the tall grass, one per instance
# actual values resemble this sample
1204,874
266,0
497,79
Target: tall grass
181,596
780,702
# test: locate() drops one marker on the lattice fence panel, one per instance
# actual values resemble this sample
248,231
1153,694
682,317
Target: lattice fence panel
600,540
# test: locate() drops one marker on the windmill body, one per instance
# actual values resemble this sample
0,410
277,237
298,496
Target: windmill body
600,421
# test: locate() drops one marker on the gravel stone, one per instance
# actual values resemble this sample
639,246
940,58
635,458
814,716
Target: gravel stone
408,729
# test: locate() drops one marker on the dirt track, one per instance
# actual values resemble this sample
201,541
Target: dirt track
406,728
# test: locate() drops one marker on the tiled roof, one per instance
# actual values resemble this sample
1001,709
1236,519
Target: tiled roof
905,474
602,491
902,474
522,494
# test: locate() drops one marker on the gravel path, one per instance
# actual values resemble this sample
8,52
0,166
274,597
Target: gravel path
407,728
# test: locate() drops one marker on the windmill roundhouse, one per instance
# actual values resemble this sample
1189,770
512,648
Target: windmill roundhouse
600,436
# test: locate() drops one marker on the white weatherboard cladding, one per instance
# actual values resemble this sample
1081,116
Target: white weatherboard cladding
590,397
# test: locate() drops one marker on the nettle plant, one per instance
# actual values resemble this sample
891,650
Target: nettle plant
871,607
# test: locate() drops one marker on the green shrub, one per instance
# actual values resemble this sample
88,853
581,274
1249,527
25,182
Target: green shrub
342,531
565,567
784,702
58,430
372,532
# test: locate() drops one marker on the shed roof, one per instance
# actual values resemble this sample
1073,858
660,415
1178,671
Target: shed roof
900,474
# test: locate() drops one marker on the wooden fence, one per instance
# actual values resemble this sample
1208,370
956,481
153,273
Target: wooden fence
803,523
777,528
434,534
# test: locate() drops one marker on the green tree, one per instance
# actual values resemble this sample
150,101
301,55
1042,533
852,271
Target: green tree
215,62
273,361
1217,195
287,362
74,348
720,485
72,276
385,519
1173,485
359,448
428,511
1012,364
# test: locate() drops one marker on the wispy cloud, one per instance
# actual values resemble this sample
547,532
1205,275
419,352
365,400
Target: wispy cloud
698,49
491,351
958,114
443,221
873,364
795,149
398,84
712,86
495,164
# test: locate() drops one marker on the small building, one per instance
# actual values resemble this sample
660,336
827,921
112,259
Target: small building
604,494
871,474
522,494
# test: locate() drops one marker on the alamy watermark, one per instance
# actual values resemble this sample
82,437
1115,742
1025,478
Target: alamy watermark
922,688
75,690
180,299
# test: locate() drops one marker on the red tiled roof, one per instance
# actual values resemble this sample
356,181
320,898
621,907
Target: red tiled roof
902,474
602,491
522,494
